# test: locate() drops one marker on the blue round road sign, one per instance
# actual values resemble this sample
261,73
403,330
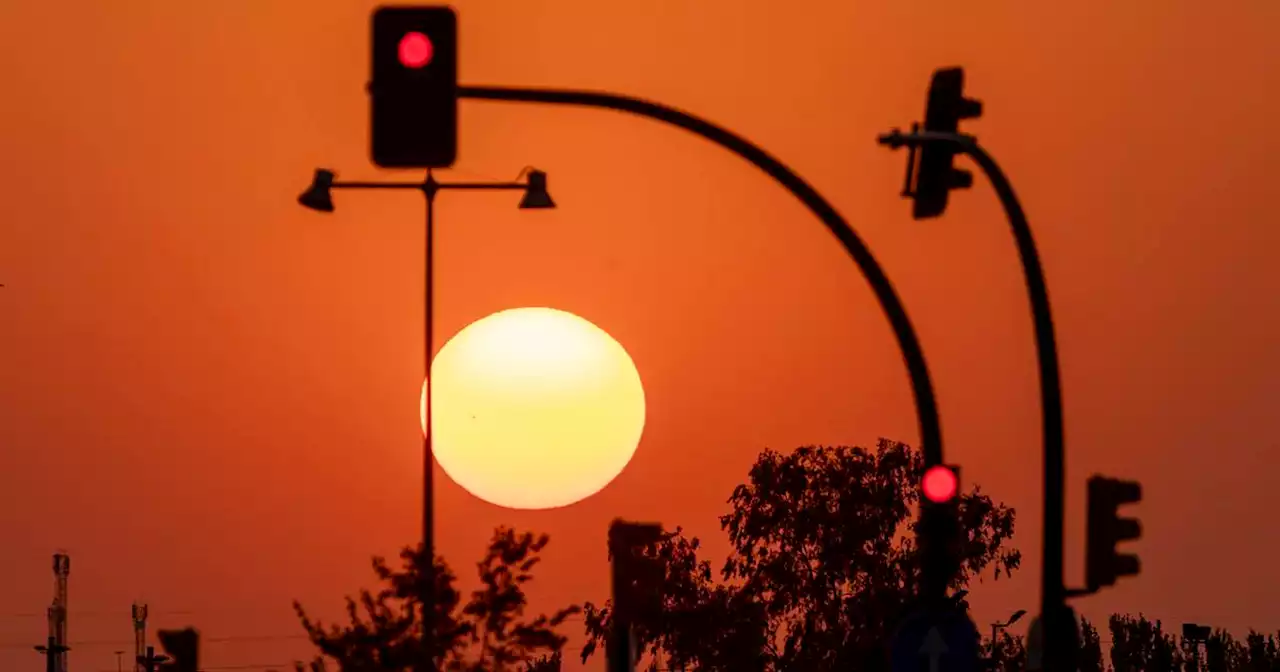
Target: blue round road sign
936,642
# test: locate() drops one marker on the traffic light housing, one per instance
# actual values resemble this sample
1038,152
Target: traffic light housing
632,573
414,87
941,534
1106,529
936,175
183,649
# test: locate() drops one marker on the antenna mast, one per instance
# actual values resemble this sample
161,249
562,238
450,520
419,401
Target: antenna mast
139,636
58,612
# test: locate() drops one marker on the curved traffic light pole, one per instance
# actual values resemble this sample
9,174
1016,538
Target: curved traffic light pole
1053,592
934,581
890,304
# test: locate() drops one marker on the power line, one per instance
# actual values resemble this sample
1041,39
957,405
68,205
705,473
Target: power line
101,612
120,642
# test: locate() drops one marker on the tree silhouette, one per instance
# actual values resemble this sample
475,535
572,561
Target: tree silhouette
822,566
1138,644
1007,653
1223,653
1263,652
487,633
1090,647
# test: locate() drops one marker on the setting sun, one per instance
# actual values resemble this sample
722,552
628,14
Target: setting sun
534,408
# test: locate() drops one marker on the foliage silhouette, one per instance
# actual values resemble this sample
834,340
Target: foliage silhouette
822,566
486,633
1006,653
1139,644
1090,648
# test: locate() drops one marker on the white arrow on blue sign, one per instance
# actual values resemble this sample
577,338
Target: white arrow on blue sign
936,642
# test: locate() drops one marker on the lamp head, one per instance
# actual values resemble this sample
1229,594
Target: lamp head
1016,615
535,192
319,195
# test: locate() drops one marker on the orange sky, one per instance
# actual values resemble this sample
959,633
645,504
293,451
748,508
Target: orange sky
208,395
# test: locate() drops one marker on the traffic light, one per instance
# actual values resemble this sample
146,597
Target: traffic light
940,535
1106,529
633,574
183,649
414,87
936,176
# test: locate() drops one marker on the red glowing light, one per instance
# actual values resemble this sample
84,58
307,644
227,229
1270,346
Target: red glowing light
939,484
415,50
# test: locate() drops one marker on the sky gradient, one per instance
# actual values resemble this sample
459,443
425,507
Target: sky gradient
209,395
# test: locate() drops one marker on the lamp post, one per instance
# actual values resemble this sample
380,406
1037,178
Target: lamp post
995,632
319,197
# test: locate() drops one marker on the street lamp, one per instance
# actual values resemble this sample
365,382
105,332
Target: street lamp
319,197
995,630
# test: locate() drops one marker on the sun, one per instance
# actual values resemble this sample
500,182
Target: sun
534,408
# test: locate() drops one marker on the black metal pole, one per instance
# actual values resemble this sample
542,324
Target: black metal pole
429,189
930,425
1058,649
619,647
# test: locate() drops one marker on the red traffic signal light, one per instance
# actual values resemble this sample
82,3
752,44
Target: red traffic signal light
413,90
415,50
941,483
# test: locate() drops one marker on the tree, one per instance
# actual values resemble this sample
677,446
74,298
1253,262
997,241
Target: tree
1263,652
822,566
1090,647
487,633
1223,653
1007,653
1138,645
